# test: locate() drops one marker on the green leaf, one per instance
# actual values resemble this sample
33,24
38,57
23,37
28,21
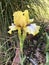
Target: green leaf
47,63
47,57
47,42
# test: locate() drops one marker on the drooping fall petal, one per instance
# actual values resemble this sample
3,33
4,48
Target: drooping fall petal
12,28
32,29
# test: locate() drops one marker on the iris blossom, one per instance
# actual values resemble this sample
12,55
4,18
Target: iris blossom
22,21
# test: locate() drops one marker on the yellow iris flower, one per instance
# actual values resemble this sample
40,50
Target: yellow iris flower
21,20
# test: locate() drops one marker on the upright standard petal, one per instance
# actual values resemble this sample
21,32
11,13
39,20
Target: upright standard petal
21,18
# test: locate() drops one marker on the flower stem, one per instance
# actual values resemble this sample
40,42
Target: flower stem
21,38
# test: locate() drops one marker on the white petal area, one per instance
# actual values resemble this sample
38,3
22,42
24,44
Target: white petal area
12,27
33,29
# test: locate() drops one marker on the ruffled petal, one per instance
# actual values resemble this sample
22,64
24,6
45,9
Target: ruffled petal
32,29
12,28
21,18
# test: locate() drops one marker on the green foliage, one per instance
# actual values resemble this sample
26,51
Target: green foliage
39,10
47,57
47,49
7,49
47,42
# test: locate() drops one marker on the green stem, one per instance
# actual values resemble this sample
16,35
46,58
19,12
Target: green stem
21,45
47,57
21,38
21,50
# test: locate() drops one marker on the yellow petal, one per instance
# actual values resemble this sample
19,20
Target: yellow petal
21,18
26,14
10,32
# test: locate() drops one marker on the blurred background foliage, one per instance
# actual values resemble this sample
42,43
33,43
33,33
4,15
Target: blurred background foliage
38,9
